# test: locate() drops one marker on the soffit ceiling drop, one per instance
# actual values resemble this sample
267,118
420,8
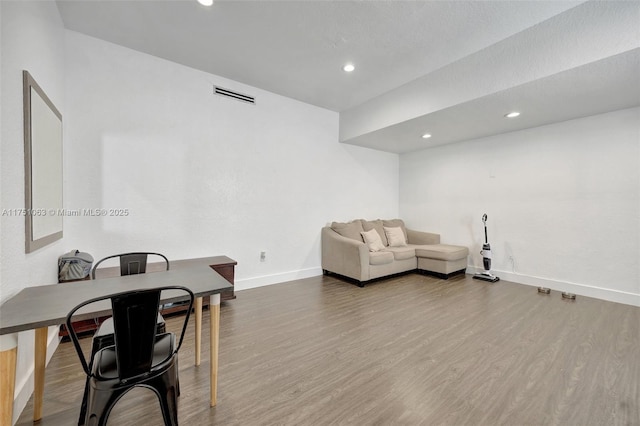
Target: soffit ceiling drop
401,51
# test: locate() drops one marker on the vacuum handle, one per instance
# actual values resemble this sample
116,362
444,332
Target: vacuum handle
484,221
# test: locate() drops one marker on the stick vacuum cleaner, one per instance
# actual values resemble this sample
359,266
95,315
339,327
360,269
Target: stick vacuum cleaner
486,275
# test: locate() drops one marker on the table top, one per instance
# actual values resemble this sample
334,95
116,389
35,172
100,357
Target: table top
155,265
41,306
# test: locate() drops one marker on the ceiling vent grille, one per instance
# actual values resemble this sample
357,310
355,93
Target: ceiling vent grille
233,95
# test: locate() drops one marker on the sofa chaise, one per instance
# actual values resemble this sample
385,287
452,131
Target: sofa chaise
366,250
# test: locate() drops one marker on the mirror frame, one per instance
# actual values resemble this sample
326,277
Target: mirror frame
38,139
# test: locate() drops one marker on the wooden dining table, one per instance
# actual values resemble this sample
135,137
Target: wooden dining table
39,307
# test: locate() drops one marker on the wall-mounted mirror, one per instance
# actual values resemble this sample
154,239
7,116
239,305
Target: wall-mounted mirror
43,167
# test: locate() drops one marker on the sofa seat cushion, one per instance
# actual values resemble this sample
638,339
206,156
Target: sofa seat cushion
402,253
442,252
380,257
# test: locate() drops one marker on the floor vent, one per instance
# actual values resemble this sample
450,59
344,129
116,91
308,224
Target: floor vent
233,95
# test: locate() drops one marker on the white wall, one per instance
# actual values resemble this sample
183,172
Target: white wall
33,40
563,202
203,175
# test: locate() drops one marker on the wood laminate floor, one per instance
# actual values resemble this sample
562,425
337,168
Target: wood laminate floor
412,350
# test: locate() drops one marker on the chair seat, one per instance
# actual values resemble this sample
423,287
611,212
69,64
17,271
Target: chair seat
105,366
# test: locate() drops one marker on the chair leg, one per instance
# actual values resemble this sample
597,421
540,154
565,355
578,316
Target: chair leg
169,405
166,390
100,404
177,376
83,407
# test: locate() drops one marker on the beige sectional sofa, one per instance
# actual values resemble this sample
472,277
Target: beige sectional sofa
364,250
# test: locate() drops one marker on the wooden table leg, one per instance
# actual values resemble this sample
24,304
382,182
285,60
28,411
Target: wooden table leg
198,312
38,371
214,335
8,357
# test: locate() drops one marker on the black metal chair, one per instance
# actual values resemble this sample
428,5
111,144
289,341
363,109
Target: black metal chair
130,264
139,357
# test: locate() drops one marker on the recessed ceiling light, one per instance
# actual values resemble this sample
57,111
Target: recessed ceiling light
206,2
426,136
513,114
349,67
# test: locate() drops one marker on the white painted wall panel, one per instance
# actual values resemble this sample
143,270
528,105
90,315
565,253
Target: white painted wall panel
563,201
33,40
203,175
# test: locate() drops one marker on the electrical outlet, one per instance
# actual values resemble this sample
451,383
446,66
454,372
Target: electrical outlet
263,256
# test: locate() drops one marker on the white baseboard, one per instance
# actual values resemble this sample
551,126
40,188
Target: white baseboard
24,385
575,288
264,280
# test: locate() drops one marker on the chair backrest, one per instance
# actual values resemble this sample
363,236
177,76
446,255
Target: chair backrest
134,318
131,263
134,322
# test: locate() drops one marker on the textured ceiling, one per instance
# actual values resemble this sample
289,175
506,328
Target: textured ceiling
297,48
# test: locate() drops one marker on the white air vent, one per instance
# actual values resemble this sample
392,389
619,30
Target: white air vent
233,95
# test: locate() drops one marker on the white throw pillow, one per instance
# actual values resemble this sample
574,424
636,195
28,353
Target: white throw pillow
373,240
395,236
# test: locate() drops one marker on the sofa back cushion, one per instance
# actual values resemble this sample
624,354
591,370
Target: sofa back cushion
368,225
349,230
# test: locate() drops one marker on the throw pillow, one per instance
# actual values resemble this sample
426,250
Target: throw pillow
395,236
394,223
378,226
373,240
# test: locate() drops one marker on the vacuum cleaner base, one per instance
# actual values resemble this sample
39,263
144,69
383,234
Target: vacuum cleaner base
486,277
